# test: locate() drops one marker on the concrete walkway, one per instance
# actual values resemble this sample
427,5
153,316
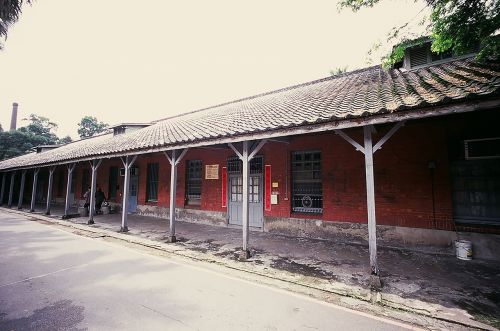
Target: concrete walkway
441,286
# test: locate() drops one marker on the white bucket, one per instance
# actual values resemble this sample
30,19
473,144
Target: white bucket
464,249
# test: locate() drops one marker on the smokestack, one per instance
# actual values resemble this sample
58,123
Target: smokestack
13,119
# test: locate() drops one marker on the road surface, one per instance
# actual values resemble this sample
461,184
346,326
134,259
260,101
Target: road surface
55,280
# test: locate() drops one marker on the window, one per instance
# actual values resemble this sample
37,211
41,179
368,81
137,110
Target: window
152,182
306,182
113,182
85,180
194,171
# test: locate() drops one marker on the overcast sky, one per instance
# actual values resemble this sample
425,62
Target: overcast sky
137,61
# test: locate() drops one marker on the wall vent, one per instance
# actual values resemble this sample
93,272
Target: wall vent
488,148
419,56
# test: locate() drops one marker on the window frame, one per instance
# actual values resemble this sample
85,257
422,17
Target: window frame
152,181
315,182
193,183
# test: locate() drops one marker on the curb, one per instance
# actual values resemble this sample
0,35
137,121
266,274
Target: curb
392,301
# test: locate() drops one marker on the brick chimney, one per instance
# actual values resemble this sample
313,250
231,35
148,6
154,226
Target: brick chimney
13,119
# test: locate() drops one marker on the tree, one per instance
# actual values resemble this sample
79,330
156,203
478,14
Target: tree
9,14
454,25
37,132
90,126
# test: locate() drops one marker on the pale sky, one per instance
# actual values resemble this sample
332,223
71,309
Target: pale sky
137,61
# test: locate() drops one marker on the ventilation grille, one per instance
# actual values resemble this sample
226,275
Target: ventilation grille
418,56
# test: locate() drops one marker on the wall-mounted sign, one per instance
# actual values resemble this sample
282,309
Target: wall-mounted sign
275,184
212,171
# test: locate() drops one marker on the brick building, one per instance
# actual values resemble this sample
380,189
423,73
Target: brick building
414,151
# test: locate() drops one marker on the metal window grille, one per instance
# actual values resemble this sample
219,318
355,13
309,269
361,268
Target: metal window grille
235,166
194,172
152,182
307,188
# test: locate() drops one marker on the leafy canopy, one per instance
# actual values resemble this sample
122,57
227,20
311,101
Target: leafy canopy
38,131
454,25
90,126
9,14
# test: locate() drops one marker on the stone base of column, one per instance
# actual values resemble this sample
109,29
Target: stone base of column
245,255
375,283
171,239
19,208
123,229
32,210
65,217
47,213
90,222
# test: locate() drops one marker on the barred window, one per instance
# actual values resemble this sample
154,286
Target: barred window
152,182
194,171
306,182
235,165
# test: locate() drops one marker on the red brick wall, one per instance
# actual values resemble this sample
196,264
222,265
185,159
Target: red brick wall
403,180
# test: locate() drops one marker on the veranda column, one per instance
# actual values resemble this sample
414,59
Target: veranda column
127,164
246,156
21,190
174,160
11,190
69,181
95,165
33,192
49,189
370,199
245,223
2,190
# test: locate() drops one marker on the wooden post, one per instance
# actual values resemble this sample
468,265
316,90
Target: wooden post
174,161
49,190
33,192
246,156
2,191
245,254
127,164
11,190
370,200
21,190
95,165
69,182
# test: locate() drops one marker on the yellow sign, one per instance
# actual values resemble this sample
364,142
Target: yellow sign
275,184
212,171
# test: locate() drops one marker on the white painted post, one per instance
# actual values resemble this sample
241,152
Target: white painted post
33,191
11,190
69,181
2,191
94,165
246,174
127,164
173,195
49,190
370,199
21,190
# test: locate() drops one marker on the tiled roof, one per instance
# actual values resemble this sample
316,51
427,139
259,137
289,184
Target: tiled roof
362,93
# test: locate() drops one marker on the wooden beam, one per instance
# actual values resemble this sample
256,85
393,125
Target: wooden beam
94,166
245,254
21,190
49,189
33,190
173,195
350,141
236,150
11,189
69,180
127,164
388,135
257,149
2,190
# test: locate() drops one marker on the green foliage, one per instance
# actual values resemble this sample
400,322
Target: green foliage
90,126
456,25
65,140
9,14
25,139
338,71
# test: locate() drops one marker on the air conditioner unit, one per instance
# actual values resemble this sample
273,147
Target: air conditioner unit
487,148
133,171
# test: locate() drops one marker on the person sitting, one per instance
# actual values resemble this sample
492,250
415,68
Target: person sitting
99,199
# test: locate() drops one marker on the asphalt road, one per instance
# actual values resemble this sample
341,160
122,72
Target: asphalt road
54,280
